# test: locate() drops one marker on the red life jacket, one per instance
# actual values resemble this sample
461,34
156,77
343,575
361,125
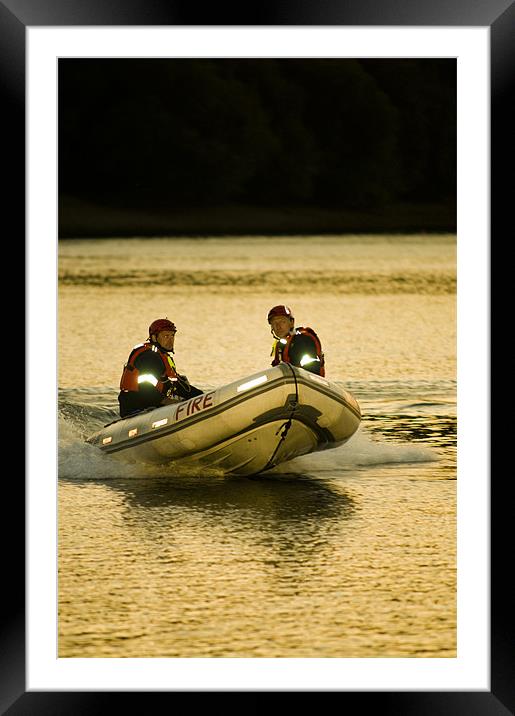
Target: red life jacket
281,347
130,375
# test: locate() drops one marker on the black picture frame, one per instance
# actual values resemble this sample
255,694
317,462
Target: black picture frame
15,17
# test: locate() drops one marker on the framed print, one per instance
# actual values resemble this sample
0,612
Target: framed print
42,49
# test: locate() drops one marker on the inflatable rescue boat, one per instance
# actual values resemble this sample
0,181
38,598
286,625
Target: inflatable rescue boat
242,428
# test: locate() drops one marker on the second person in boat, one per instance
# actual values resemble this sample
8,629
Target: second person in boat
298,346
150,378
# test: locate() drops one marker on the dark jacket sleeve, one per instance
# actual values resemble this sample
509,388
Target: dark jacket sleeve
184,389
300,346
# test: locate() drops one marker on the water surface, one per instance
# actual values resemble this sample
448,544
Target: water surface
346,553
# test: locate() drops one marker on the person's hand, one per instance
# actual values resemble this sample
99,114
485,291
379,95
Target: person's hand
183,380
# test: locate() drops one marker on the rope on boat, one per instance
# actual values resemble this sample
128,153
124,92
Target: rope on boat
287,425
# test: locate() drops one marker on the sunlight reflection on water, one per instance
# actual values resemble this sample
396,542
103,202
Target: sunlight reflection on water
346,553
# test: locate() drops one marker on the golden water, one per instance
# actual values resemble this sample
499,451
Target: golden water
347,553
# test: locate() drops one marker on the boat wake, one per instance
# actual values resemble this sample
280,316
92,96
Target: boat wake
361,451
79,460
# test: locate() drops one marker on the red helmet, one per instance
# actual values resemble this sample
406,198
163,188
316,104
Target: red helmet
161,324
279,311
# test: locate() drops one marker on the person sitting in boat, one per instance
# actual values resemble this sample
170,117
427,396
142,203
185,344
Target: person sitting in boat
150,378
298,346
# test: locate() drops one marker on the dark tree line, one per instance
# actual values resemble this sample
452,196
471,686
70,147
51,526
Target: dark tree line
322,132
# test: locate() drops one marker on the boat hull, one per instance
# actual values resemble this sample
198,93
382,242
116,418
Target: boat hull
243,428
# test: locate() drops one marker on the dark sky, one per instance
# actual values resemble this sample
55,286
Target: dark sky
342,133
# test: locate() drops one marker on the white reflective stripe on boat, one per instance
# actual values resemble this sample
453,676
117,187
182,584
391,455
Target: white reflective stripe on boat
252,383
160,423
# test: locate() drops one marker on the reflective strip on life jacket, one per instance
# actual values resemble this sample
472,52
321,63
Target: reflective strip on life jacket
131,377
148,378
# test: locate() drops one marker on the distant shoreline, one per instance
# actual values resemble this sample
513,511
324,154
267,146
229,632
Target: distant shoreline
79,219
